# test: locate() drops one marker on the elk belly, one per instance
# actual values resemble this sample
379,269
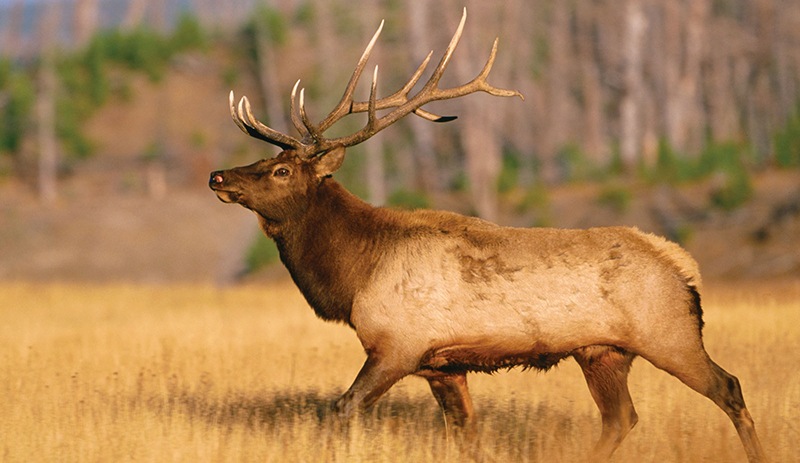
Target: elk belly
487,356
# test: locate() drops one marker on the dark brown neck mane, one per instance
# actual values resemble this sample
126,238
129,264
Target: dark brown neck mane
331,250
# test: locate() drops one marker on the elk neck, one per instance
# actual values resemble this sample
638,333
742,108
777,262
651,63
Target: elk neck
331,249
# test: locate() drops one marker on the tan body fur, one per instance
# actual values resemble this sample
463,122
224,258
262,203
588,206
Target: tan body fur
495,292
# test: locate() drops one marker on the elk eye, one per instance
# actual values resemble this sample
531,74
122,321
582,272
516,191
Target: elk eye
281,172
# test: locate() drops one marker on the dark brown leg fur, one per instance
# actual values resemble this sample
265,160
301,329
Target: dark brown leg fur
452,394
606,372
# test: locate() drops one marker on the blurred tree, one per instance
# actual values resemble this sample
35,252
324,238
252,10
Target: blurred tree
480,140
85,21
684,50
16,99
631,104
270,32
134,14
595,142
560,63
419,40
375,167
46,105
12,35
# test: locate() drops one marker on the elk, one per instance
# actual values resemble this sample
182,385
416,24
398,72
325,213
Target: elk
437,294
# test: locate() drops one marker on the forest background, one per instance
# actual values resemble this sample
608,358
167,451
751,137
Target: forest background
680,117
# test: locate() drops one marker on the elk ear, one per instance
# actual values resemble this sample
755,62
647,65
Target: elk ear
327,163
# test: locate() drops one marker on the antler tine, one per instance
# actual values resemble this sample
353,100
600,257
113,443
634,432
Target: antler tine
371,113
403,92
296,120
343,108
242,116
419,111
410,84
313,141
401,96
478,84
485,73
319,142
429,92
433,82
234,114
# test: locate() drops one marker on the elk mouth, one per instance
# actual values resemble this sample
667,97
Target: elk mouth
225,194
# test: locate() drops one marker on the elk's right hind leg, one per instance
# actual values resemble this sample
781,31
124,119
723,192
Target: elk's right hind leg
606,372
452,395
727,394
694,367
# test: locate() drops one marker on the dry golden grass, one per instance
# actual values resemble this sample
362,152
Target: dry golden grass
197,373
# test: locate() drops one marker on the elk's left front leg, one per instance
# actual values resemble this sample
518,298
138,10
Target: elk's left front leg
377,375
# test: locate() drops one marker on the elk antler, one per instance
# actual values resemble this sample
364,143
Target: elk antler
312,141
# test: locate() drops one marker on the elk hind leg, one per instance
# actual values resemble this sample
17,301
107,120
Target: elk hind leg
696,369
450,391
606,372
727,394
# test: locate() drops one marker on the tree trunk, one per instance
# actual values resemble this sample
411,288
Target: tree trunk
46,107
524,120
631,113
786,63
420,42
595,142
559,121
684,38
134,15
763,117
159,19
268,73
479,138
85,21
12,38
723,114
375,169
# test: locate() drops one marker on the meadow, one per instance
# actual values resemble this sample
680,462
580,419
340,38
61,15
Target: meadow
201,373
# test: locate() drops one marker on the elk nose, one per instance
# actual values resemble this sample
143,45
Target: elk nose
216,178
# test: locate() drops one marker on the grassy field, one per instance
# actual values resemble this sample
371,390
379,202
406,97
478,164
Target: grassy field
198,373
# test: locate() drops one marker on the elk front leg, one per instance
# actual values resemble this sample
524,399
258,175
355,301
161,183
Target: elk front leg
452,395
377,375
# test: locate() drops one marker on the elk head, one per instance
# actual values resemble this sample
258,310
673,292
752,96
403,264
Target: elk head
281,187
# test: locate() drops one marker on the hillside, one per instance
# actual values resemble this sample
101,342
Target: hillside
97,232
189,236
127,213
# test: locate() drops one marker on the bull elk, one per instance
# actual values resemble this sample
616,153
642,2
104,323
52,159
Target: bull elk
437,294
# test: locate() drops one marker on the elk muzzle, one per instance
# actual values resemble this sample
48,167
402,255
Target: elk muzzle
217,183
